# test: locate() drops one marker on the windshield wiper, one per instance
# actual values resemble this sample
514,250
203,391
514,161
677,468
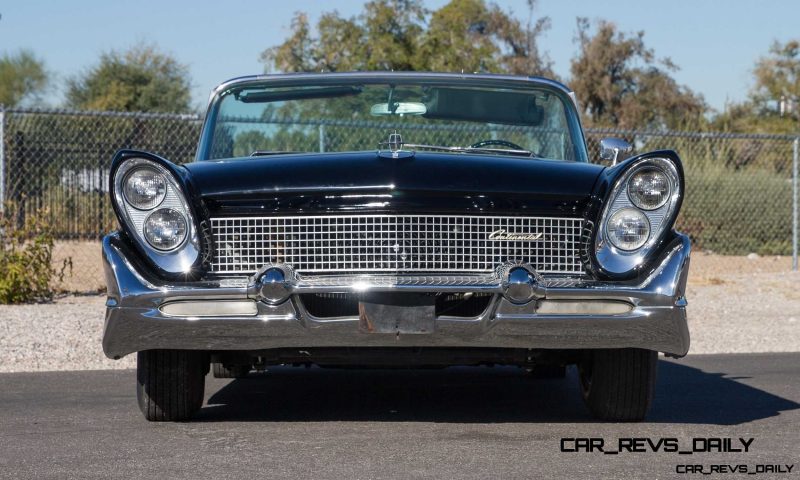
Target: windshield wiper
457,149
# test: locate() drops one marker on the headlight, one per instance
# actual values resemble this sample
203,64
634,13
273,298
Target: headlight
145,188
628,229
155,212
649,189
638,212
165,229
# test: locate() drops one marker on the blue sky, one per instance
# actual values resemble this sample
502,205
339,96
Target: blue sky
714,42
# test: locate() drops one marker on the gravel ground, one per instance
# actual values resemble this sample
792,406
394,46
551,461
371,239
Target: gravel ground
736,305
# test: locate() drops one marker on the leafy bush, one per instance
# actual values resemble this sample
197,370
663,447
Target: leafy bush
737,211
26,254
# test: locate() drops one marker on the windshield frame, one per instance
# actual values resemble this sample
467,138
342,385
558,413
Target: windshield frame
439,79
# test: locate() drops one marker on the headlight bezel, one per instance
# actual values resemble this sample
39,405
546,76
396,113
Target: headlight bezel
606,259
184,260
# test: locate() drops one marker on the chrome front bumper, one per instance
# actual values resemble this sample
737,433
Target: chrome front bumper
135,320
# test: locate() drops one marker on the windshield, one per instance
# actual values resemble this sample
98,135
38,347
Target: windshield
253,119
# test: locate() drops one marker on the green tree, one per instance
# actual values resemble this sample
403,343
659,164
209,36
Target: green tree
620,83
140,79
776,78
473,36
468,35
383,37
22,77
778,73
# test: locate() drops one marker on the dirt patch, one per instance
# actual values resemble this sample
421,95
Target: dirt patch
743,304
710,268
86,274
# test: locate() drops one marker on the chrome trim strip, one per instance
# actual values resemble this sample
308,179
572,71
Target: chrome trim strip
383,76
201,308
362,283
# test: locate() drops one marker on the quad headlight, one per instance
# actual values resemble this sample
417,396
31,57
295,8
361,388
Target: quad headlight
165,229
153,208
649,188
641,206
628,229
144,188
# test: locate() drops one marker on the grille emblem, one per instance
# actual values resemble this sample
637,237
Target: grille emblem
502,234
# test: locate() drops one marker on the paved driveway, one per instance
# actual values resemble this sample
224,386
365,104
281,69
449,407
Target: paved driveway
454,423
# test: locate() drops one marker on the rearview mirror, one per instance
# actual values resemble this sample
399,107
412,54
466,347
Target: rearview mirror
399,108
610,148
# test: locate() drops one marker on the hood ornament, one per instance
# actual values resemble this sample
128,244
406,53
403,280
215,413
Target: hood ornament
395,142
395,145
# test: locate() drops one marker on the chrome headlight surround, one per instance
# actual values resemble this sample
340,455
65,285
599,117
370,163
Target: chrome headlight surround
180,258
617,261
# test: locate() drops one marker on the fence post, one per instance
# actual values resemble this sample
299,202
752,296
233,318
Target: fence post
2,158
20,187
100,194
321,138
794,203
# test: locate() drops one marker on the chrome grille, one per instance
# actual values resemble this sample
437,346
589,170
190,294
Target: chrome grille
394,243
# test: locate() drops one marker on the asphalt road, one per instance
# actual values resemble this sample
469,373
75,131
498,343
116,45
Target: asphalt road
343,424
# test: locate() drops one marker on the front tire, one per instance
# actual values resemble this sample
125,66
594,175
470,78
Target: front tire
170,384
618,385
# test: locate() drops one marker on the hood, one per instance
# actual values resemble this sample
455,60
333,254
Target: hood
429,182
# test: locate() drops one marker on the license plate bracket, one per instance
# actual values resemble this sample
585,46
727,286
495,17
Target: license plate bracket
396,313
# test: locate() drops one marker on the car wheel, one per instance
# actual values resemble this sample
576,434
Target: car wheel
170,383
618,385
230,371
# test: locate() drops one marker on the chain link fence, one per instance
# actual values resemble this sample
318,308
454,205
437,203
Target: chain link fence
739,197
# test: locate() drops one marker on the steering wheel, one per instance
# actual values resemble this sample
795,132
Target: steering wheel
501,143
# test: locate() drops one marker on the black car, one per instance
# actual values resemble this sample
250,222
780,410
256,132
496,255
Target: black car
396,220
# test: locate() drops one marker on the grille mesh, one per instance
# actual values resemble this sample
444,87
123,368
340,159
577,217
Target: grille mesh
394,243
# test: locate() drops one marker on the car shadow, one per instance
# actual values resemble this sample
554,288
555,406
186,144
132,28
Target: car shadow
471,395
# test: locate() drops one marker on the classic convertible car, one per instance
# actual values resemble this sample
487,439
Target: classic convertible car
396,220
